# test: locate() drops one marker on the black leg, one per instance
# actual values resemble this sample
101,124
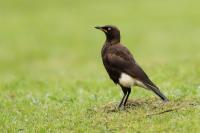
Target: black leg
129,91
125,93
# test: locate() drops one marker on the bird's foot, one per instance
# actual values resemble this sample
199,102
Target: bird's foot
121,108
166,101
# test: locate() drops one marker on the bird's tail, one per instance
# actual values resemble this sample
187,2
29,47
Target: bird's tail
156,90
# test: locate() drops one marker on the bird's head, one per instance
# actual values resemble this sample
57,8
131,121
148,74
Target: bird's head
112,33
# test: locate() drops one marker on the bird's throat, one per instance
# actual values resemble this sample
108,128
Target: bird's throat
112,41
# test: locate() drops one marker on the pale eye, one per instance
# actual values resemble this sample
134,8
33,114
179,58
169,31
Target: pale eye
109,28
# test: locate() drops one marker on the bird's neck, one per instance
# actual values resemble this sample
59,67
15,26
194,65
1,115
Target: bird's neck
113,40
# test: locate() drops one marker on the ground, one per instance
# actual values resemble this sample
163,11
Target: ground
52,78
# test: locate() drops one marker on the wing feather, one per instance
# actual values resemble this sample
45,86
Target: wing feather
120,58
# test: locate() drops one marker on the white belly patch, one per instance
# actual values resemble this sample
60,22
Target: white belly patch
127,81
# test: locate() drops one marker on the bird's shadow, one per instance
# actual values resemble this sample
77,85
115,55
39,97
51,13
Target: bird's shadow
151,106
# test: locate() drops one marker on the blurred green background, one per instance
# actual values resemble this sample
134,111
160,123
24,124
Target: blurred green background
50,59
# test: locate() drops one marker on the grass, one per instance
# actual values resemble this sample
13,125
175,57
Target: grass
52,78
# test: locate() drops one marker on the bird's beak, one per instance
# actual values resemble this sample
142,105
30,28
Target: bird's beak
100,28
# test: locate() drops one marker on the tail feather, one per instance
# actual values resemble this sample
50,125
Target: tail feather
156,90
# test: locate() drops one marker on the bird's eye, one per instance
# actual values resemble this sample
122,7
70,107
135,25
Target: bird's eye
109,28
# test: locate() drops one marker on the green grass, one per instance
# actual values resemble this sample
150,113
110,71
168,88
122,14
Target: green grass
52,78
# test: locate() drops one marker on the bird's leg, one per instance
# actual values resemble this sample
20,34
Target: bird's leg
129,91
125,93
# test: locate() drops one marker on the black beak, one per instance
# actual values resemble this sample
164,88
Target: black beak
98,27
101,28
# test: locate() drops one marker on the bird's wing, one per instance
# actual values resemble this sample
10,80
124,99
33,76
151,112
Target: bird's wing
119,58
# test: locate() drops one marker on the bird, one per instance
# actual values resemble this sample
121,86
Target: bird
121,66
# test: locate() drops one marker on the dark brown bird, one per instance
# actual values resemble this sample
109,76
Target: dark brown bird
121,66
